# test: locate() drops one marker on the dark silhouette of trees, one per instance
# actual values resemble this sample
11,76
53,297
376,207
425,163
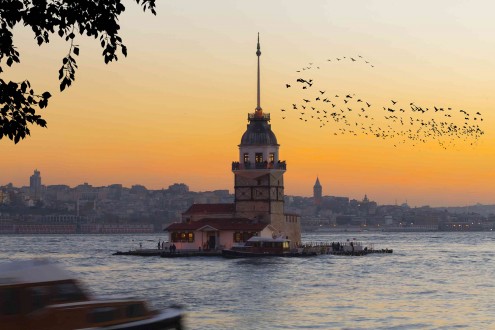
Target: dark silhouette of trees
65,19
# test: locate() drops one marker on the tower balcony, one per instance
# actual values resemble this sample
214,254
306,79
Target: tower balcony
259,116
280,165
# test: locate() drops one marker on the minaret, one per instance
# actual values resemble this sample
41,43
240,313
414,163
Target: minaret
317,192
259,174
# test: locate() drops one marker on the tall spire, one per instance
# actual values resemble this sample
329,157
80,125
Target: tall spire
258,53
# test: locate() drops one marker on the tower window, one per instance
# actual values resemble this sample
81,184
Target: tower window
272,157
246,157
259,157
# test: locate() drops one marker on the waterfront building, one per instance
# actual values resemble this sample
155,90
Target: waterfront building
258,207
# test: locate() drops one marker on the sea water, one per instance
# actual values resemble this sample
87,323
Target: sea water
439,280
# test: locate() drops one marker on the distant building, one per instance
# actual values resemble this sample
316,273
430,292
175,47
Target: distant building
35,185
178,188
365,199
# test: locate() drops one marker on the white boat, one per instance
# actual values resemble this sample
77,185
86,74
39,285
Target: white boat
39,295
264,247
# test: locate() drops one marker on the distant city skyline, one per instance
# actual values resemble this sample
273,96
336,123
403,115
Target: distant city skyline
34,184
174,109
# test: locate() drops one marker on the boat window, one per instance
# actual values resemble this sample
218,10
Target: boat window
65,292
10,302
135,310
40,296
102,314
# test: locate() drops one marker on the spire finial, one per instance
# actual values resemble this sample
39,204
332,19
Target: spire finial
258,46
258,53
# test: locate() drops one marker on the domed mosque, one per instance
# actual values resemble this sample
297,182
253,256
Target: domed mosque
258,208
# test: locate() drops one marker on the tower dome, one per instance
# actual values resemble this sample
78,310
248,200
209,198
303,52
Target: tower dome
259,132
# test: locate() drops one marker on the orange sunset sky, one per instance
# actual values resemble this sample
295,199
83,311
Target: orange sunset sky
175,109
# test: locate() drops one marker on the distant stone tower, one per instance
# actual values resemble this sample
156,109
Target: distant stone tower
317,192
259,174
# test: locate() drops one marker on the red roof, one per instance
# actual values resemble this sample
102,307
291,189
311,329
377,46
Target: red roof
219,224
211,208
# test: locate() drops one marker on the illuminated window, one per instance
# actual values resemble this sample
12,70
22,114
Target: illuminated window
259,157
186,237
272,157
246,157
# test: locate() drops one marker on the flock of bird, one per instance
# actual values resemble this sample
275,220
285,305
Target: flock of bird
402,122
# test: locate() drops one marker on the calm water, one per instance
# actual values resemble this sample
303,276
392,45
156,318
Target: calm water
431,281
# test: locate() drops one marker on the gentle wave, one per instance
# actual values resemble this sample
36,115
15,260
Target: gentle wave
441,281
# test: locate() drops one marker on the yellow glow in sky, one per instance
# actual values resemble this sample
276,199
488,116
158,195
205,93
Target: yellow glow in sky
175,109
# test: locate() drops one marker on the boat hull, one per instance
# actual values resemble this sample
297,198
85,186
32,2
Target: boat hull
169,319
248,254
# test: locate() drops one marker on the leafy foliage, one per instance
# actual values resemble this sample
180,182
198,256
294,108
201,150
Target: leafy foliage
46,18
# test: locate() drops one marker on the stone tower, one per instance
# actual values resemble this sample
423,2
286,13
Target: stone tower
259,174
317,192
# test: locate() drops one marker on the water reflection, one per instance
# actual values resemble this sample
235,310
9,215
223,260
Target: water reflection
431,281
